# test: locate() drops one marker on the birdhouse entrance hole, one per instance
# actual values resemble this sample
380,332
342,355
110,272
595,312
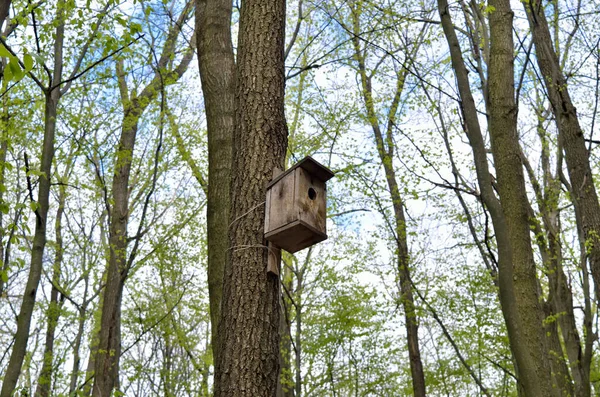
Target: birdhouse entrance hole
312,194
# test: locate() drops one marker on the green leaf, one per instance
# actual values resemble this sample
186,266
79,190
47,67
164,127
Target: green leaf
28,61
8,74
4,52
135,28
4,208
33,205
38,59
14,66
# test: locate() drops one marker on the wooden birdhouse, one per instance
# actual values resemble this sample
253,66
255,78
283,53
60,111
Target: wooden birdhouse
296,205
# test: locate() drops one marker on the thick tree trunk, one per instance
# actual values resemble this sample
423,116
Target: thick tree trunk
39,238
534,370
249,336
217,68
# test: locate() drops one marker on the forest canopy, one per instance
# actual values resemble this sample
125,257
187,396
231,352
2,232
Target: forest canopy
137,142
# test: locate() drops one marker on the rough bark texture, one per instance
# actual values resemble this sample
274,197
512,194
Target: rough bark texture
39,238
584,195
217,68
249,336
534,369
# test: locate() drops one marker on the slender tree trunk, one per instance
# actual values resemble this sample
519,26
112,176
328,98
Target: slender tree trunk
52,98
249,336
560,296
298,334
3,152
109,346
53,313
534,370
385,149
77,347
511,306
217,68
584,195
285,387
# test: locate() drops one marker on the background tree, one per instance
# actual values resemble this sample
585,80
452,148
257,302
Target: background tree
217,72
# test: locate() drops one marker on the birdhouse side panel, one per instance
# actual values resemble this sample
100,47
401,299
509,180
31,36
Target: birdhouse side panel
311,200
280,203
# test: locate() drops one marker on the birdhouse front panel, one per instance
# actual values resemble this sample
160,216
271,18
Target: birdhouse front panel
310,199
295,215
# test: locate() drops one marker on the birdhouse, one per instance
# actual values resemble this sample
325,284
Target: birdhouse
296,206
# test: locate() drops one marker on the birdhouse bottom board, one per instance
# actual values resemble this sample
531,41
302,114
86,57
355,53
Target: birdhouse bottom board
295,236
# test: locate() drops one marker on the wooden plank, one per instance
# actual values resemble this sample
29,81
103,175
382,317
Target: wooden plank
274,259
274,252
267,211
295,236
311,200
281,208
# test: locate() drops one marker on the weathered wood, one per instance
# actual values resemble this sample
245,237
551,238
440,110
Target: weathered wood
274,259
274,255
311,199
296,236
296,206
282,207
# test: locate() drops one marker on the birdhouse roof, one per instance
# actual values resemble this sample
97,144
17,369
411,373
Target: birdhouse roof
310,165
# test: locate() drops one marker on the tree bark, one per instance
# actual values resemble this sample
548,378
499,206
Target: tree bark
217,68
3,151
249,336
285,386
55,306
510,302
571,138
108,352
52,97
385,149
4,9
534,368
560,296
